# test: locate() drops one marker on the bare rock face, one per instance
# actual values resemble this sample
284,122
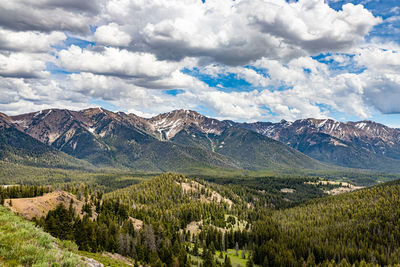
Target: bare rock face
48,125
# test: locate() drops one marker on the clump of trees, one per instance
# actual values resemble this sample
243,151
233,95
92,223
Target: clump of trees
22,191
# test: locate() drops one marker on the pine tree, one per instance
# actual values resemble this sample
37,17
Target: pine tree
195,250
208,258
237,249
227,262
250,263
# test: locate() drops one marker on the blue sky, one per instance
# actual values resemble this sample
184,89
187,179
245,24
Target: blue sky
244,60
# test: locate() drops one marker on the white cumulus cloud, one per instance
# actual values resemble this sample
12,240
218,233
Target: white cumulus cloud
112,35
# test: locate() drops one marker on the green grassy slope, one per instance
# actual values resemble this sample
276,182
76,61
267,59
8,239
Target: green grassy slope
21,243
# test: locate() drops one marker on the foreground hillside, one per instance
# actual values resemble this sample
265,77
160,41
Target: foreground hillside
152,222
180,221
21,243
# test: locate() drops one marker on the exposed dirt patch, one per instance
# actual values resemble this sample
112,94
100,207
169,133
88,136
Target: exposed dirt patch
250,205
288,190
91,262
343,189
338,143
8,185
40,206
137,224
194,227
196,187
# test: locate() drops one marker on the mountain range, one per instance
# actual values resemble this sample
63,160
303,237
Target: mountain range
363,144
187,141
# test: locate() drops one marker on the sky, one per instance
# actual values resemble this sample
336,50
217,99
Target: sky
245,60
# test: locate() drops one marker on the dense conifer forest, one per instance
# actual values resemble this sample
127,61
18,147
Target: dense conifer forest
172,220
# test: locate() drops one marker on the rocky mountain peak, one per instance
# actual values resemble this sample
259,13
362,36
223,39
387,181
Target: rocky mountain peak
4,120
167,125
47,125
95,111
178,114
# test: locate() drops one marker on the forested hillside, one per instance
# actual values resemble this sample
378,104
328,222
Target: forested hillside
358,227
146,222
172,219
249,149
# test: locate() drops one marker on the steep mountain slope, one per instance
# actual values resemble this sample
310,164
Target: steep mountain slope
255,151
180,140
249,149
4,120
18,147
65,130
365,144
184,140
112,139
